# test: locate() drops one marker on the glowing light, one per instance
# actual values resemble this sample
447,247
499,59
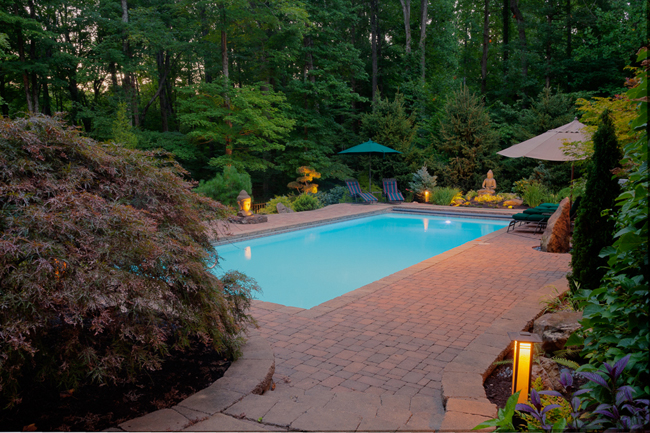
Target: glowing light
247,253
426,224
448,222
426,196
522,362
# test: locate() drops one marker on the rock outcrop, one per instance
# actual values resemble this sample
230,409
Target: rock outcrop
557,235
283,209
555,329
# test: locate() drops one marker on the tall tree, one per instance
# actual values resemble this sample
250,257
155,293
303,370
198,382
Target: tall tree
593,230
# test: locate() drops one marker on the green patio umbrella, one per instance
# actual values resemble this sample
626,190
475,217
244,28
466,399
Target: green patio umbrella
369,147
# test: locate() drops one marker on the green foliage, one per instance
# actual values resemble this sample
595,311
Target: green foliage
389,124
534,194
616,313
240,123
271,205
306,202
422,181
504,420
104,260
122,130
594,231
333,196
443,196
468,142
225,187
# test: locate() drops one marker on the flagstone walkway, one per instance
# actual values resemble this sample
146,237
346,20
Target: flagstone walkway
388,356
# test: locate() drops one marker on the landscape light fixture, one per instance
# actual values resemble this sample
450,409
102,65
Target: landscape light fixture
522,362
426,196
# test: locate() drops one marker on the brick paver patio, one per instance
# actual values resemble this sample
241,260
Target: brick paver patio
389,344
383,357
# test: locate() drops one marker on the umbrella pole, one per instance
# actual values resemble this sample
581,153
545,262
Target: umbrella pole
369,175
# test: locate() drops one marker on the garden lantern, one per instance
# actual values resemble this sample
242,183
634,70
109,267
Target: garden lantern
426,196
522,362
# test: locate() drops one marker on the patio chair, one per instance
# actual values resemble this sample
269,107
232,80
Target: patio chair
540,215
355,192
391,192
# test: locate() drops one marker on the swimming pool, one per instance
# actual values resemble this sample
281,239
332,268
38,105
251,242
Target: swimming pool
304,268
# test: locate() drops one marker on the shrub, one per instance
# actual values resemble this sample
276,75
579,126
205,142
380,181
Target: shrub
271,205
471,194
534,194
226,187
444,196
333,196
422,181
306,202
594,231
104,259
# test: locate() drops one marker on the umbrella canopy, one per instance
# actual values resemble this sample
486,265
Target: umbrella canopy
369,147
548,146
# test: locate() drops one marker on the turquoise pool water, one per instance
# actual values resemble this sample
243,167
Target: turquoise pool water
307,267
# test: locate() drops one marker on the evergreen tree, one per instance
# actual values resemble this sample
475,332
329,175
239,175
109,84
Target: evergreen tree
594,231
468,143
122,129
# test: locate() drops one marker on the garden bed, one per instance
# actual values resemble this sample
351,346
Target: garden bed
98,407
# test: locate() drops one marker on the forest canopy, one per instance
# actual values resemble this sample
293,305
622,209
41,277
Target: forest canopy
270,86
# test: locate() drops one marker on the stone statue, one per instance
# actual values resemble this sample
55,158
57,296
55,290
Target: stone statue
244,202
489,185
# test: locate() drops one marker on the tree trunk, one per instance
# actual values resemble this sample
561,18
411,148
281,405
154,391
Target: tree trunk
406,10
549,21
424,15
129,82
21,57
374,6
506,32
224,55
32,55
486,41
224,70
3,97
519,17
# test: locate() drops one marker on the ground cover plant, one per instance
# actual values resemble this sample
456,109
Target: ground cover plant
104,261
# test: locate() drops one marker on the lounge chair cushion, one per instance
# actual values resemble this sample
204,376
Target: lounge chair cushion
391,191
355,191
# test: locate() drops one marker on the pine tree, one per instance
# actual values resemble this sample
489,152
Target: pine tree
468,141
594,231
122,129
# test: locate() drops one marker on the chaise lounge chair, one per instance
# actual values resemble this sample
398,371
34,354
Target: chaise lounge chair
355,192
541,214
391,192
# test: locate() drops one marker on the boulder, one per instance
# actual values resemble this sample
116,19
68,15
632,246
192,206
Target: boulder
549,371
557,235
283,209
553,371
513,202
253,219
555,329
539,371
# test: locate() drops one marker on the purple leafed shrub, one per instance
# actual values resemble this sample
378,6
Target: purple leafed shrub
104,260
604,405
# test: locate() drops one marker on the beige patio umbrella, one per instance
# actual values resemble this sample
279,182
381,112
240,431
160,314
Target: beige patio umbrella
549,146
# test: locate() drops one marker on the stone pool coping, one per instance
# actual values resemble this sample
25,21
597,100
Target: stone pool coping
250,374
358,211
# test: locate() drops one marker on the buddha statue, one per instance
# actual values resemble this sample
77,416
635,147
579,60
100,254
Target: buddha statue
244,202
489,185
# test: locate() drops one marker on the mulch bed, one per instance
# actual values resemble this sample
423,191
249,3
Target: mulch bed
94,408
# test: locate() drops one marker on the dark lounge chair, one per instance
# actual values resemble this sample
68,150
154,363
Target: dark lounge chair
540,216
355,192
391,192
